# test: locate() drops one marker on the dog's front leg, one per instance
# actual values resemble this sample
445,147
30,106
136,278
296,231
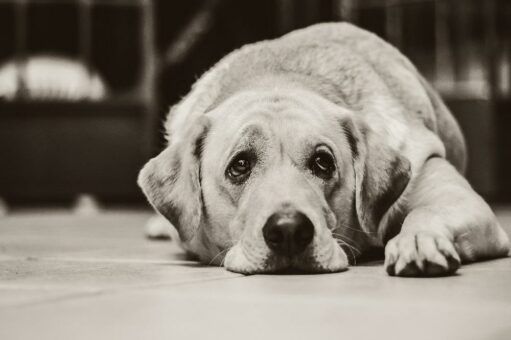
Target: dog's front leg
447,223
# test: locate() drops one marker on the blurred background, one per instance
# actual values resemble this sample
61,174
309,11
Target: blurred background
85,84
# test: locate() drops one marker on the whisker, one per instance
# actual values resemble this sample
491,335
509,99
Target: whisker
343,240
223,260
360,231
350,249
219,253
343,237
347,238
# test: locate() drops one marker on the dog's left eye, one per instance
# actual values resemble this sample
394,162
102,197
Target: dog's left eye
239,168
322,164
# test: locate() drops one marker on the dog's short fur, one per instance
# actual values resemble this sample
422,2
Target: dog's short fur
399,158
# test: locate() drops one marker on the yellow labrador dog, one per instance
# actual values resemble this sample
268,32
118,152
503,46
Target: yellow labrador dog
300,153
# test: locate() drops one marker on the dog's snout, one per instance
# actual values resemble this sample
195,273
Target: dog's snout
288,233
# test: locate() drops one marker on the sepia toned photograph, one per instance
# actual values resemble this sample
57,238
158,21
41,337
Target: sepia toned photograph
273,169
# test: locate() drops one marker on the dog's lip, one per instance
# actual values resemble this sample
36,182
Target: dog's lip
293,265
309,269
302,269
297,271
240,260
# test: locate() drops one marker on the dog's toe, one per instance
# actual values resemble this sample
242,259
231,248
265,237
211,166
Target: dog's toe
421,254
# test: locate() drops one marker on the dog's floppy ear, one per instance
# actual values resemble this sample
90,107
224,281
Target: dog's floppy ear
171,180
381,173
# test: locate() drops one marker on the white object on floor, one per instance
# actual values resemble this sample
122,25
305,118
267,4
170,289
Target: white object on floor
157,227
86,205
51,77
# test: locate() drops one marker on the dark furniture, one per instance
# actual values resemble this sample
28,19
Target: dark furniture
52,151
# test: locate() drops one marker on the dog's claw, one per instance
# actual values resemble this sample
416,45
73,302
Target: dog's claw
421,254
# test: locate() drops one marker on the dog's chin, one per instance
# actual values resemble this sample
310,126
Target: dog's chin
329,259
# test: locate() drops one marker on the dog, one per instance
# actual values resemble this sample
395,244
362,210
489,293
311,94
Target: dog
303,152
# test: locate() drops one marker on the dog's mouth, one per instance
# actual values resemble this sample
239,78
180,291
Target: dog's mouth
328,258
291,240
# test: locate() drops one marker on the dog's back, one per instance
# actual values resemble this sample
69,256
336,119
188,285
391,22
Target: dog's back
350,67
400,76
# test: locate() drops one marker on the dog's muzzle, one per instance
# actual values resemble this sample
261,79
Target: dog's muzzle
291,242
288,232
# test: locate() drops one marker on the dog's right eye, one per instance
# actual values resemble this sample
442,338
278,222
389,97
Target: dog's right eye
239,168
322,163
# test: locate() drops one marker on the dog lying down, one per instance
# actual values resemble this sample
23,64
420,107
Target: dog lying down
303,152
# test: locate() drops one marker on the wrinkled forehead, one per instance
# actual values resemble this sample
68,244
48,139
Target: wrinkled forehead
293,116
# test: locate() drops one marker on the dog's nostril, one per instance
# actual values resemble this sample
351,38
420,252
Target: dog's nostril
288,233
274,235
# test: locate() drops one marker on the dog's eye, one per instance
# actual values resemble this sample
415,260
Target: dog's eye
239,168
322,164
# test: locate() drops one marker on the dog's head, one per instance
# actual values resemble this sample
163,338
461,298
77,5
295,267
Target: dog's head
269,181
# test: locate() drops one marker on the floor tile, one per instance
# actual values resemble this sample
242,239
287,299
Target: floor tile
102,275
170,315
115,236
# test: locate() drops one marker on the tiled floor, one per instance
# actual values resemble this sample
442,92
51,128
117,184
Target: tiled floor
68,277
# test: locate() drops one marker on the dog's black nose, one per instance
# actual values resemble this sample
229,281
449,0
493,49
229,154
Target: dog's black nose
288,233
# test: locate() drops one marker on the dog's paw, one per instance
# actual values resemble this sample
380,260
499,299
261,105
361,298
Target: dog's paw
421,254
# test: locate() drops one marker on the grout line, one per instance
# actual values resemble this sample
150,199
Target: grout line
98,260
182,283
109,292
46,288
52,300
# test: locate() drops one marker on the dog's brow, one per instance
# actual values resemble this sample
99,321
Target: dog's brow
251,132
247,138
352,141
